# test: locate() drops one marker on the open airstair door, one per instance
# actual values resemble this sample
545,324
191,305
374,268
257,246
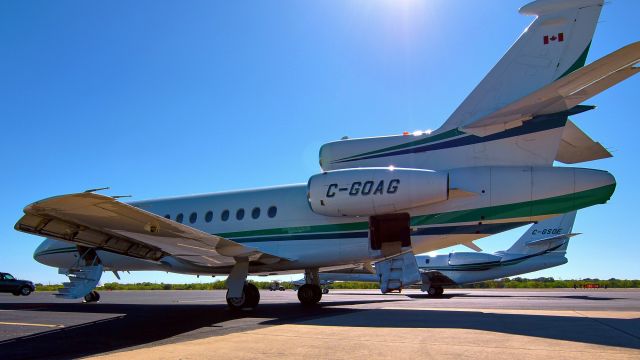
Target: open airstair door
390,233
398,272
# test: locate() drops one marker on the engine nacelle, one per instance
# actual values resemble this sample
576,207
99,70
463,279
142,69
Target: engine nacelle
469,258
375,191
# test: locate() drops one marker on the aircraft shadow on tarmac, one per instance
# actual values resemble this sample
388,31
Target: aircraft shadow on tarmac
458,295
136,325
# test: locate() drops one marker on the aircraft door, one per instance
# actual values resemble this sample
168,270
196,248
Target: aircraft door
389,233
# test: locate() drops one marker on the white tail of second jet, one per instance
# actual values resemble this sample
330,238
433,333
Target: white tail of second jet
549,235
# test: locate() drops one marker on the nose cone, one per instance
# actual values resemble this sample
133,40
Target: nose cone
594,186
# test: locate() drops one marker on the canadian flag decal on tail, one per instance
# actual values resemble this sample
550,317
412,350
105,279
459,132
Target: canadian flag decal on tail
556,37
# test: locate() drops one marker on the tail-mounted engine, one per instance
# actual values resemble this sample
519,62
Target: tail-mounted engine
375,191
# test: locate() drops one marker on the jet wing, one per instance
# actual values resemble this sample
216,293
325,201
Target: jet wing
562,94
101,221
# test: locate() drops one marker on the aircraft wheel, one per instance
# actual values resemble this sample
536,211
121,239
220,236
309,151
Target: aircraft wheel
309,294
440,291
93,296
325,290
432,291
248,301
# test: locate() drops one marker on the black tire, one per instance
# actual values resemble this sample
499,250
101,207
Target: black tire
92,296
325,290
440,291
432,291
252,294
248,301
309,294
25,291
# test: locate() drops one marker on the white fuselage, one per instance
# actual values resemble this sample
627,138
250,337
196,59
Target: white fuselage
501,198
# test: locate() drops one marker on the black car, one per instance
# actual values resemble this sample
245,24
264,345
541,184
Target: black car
17,287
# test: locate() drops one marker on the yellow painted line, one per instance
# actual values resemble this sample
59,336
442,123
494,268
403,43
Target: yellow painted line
30,324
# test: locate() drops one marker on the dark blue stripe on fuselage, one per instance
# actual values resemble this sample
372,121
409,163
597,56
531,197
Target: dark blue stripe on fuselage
541,123
489,229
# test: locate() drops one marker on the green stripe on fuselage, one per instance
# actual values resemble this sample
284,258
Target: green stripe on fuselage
555,205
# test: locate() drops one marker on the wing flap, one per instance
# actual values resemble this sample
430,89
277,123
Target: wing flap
564,93
101,221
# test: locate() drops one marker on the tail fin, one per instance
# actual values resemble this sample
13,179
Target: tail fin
545,235
555,44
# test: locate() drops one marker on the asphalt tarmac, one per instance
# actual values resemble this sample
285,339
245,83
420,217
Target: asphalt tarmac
489,324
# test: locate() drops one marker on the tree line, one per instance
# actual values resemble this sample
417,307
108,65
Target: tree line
506,283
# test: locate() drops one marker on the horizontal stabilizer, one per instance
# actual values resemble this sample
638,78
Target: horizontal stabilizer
551,239
564,93
576,146
472,246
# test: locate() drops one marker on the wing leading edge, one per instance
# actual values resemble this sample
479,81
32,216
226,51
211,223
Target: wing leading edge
103,222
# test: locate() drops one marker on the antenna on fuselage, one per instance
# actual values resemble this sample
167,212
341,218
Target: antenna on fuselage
97,189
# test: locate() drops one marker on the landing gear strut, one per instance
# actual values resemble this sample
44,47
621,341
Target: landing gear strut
93,296
241,295
310,293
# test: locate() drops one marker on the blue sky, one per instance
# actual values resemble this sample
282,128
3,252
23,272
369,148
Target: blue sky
158,98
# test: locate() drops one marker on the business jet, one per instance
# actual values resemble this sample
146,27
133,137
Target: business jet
542,246
487,169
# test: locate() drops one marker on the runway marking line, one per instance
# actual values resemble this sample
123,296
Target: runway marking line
31,324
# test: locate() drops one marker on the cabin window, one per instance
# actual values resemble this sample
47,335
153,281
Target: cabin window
255,213
426,261
179,218
167,216
208,216
240,214
225,215
272,211
193,217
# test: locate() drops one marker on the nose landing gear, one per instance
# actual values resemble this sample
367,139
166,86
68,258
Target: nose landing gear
247,301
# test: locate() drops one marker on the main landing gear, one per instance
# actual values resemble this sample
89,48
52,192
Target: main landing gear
435,291
93,296
310,293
